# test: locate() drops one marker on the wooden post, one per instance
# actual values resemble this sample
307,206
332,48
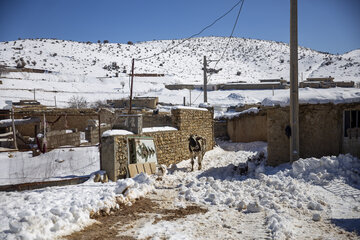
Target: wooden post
190,98
184,101
34,95
13,128
99,119
205,81
132,83
294,88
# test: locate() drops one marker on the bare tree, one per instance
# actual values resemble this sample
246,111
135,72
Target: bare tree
77,102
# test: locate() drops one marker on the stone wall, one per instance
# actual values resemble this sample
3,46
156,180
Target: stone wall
248,127
171,146
56,139
320,131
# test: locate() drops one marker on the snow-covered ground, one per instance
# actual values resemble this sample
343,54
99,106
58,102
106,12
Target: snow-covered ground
62,163
310,198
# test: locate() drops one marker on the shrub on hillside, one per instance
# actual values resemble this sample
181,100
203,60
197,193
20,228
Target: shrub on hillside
20,63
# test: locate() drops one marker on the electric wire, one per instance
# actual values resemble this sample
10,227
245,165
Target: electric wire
194,35
227,45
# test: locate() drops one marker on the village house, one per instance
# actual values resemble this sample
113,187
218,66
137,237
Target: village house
325,129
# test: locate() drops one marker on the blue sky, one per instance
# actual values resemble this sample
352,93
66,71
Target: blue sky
324,25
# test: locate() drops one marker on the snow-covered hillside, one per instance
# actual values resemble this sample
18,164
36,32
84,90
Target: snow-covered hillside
253,59
99,71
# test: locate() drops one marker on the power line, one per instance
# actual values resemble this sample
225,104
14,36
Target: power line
196,34
231,35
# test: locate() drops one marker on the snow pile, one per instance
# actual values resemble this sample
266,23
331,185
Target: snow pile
280,192
55,211
322,171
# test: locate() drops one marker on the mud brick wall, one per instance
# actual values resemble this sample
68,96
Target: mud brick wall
171,146
69,122
61,138
320,131
220,129
157,120
248,127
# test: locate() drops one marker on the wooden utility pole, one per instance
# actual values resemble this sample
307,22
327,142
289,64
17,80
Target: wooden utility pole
205,81
13,128
190,97
99,120
294,88
132,83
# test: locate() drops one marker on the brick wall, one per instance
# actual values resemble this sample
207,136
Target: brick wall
171,146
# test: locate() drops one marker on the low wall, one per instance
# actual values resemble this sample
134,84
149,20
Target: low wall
56,139
248,127
171,146
156,120
220,129
92,134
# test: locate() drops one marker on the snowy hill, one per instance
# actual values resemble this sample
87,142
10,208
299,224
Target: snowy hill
255,59
99,71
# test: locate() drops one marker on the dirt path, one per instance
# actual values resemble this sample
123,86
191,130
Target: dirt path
161,216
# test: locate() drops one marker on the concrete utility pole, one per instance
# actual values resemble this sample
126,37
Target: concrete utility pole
294,88
132,83
205,81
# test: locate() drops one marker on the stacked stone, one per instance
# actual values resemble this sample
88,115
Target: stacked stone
195,122
171,146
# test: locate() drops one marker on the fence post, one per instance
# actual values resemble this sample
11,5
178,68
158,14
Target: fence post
13,128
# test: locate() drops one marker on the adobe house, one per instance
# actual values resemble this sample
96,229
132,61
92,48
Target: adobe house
325,82
137,102
324,129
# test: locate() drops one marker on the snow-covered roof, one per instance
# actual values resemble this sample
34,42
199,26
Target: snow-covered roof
158,129
231,115
315,96
190,108
116,132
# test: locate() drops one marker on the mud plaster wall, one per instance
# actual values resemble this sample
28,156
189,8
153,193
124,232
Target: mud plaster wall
248,128
320,131
171,146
